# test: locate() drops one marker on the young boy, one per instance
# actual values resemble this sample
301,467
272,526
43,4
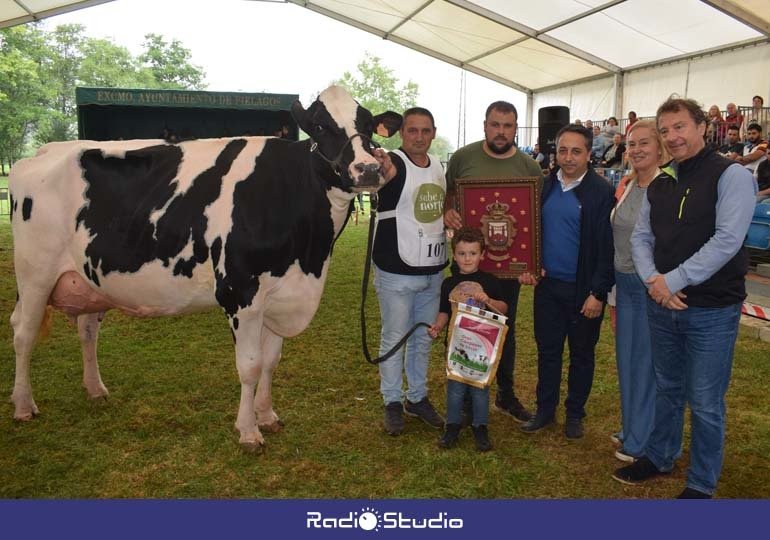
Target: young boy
468,247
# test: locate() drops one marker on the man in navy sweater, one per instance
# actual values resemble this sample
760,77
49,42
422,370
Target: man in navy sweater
577,274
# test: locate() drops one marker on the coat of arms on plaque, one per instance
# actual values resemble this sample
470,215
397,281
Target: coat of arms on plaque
490,204
499,230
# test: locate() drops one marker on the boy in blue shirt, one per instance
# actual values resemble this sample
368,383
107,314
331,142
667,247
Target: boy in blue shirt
468,248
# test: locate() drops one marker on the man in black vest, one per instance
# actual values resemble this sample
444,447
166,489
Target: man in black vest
688,247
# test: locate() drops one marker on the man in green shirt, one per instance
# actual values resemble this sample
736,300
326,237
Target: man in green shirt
495,157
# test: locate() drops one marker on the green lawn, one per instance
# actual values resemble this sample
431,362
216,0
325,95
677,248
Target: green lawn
167,428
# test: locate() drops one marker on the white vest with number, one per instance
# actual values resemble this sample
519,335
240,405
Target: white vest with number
419,214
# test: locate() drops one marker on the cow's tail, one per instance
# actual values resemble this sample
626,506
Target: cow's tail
47,323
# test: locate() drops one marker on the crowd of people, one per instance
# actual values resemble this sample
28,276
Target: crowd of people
739,133
665,248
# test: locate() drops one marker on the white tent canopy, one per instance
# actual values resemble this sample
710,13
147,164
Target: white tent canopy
600,57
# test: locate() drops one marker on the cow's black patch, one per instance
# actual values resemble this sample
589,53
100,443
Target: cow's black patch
26,209
122,194
90,273
281,214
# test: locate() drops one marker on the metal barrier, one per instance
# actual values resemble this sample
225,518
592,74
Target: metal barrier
613,176
5,202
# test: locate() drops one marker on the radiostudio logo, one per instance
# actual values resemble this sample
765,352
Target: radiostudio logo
370,519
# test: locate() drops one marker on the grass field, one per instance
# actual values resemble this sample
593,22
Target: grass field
166,430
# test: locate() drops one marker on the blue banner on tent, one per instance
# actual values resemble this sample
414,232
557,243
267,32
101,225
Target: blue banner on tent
404,518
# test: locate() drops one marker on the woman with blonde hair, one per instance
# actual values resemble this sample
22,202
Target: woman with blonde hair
646,154
717,124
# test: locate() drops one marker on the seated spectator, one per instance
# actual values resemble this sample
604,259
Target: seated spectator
759,115
763,178
717,124
711,135
631,121
597,147
611,128
733,147
538,156
734,117
613,156
755,148
552,165
578,122
589,124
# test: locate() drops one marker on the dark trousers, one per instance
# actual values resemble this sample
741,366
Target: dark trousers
557,317
505,392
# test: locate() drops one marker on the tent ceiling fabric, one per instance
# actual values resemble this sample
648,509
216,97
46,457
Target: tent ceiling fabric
525,46
13,12
560,41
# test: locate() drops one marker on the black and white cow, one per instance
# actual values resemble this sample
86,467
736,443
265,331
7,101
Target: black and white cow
159,229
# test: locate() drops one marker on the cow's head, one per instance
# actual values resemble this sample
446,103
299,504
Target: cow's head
341,132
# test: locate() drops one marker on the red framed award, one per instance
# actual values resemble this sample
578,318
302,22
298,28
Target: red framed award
507,211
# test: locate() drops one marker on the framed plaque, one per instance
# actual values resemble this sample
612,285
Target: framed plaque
507,211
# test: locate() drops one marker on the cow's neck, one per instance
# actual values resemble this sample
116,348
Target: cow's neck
340,207
339,200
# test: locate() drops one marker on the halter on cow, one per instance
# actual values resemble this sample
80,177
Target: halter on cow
159,229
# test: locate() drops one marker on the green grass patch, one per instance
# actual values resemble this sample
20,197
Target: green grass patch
167,428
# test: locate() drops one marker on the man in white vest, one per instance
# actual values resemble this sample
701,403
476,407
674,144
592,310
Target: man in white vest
409,255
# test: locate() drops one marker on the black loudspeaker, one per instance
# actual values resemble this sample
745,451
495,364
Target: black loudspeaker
550,120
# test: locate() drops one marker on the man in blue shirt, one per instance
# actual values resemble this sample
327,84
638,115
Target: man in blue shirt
578,273
688,247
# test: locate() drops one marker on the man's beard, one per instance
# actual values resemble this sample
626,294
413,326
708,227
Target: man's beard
495,150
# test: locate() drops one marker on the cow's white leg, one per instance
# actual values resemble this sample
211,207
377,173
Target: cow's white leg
88,331
248,360
271,353
25,320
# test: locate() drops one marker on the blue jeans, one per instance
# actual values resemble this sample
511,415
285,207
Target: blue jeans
692,352
405,301
455,398
636,376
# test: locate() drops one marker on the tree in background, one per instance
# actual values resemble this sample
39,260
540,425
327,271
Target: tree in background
40,70
376,87
59,73
170,64
107,65
23,96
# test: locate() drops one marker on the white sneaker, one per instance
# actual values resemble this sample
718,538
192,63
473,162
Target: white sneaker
622,456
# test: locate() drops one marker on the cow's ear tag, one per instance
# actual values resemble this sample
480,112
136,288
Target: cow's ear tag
387,123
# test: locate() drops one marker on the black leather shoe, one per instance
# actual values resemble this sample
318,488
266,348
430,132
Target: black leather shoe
690,493
481,435
513,408
450,436
538,422
573,429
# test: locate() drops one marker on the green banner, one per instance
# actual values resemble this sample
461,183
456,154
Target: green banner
183,98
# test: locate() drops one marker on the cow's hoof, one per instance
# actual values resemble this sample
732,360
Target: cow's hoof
96,392
97,396
273,427
26,416
253,447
